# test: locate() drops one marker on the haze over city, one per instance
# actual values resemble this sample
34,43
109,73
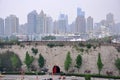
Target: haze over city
64,19
95,8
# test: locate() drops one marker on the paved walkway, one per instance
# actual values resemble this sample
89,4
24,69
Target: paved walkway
44,77
103,79
47,77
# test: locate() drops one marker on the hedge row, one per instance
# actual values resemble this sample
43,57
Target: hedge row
19,73
51,45
92,75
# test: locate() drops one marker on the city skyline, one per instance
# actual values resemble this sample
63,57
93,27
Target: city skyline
58,17
43,24
97,9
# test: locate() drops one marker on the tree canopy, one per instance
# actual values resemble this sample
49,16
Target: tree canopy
41,61
78,61
99,63
68,61
28,60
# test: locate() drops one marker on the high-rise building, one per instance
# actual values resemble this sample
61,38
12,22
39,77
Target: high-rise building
89,25
80,23
116,29
49,25
110,24
72,27
11,25
31,19
55,27
97,29
80,12
1,26
103,23
63,23
23,29
41,23
110,19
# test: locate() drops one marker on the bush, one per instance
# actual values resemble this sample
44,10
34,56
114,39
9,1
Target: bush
22,45
81,49
88,46
81,44
51,45
117,64
61,45
87,77
34,50
26,73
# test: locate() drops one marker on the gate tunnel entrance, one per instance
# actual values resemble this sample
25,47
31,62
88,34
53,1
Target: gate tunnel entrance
56,69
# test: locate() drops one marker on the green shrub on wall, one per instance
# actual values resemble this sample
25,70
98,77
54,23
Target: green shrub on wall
51,45
117,64
9,61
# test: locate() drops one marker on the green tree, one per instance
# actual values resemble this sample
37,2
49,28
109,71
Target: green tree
28,60
6,62
35,51
88,46
14,61
117,64
78,62
99,63
41,61
68,61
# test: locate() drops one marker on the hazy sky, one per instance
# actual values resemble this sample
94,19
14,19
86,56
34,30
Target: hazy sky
95,8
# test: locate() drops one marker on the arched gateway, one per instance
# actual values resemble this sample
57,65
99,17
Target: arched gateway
56,69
